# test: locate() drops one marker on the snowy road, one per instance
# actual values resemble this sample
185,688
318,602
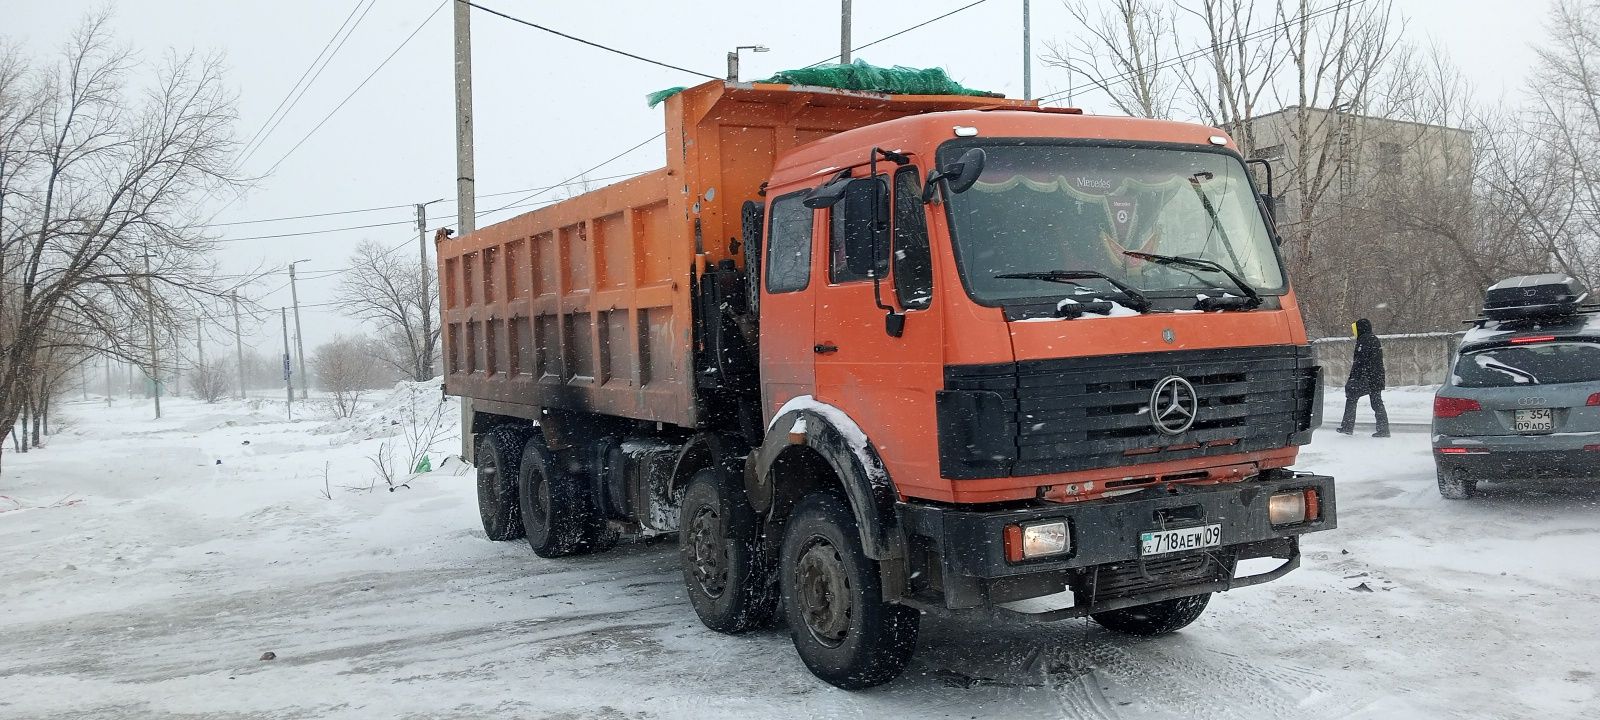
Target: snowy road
154,585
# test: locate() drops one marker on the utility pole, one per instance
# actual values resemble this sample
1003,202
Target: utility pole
299,334
425,350
238,342
288,383
844,32
1027,54
150,332
108,380
466,208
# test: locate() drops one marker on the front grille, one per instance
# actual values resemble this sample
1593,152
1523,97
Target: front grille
1082,413
1138,577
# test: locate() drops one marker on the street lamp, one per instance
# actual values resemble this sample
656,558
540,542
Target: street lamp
299,337
733,60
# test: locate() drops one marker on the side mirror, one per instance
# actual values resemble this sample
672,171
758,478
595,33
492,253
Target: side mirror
827,195
957,177
964,172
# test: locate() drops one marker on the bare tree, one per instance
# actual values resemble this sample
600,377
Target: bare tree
344,368
1542,171
386,288
1241,55
1129,53
101,186
211,380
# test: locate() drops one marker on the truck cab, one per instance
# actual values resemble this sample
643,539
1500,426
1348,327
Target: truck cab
875,356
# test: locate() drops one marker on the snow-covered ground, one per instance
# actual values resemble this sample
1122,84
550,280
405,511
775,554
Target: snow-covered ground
148,565
1410,408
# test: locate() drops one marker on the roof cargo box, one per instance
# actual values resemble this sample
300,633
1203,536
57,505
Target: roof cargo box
1527,296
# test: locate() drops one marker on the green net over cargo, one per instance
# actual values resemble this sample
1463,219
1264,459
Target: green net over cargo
859,75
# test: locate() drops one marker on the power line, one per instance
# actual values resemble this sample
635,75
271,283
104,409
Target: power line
590,43
357,89
898,34
408,206
515,204
569,180
263,132
1200,52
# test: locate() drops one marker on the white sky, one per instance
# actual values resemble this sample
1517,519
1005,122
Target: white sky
547,108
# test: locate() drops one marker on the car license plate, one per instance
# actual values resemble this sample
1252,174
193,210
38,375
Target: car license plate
1533,420
1161,542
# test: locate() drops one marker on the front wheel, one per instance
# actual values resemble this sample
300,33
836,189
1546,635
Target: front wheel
1455,485
1157,618
844,631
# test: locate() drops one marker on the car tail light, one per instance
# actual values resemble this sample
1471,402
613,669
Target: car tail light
1461,451
1591,448
1594,400
1449,407
1532,339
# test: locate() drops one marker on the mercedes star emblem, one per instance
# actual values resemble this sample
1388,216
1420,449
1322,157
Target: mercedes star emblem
1173,405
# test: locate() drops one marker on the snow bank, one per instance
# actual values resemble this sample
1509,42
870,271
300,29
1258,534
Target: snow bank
387,415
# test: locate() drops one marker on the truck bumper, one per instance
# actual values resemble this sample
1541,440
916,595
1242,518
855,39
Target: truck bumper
957,558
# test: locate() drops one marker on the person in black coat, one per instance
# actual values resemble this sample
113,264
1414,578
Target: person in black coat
1366,378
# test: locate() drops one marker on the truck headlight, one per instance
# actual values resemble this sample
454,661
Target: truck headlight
1025,542
1289,508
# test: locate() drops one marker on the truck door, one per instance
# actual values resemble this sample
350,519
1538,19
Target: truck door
885,383
787,318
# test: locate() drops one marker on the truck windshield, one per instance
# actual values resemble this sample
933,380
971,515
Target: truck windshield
1041,205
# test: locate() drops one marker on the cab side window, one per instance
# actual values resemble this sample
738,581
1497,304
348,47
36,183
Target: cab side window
854,231
789,244
913,260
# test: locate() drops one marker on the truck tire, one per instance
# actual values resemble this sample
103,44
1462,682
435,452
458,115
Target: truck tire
1455,484
844,631
499,458
1157,618
557,517
724,570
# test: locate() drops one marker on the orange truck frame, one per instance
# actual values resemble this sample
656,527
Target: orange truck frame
878,355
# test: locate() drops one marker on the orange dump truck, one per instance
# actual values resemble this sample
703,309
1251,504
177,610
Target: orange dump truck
878,355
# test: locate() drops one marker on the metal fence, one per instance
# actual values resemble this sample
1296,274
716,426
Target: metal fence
1414,359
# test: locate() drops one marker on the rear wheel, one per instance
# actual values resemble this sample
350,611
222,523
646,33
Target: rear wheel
842,628
724,570
1454,484
557,514
1157,618
499,459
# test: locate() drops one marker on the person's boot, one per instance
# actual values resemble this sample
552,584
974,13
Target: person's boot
1345,431
1381,433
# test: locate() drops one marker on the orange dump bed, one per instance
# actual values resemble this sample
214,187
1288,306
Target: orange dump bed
585,304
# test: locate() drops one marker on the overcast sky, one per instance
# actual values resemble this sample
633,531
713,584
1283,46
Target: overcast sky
548,108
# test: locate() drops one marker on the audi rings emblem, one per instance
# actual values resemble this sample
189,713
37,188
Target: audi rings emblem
1173,405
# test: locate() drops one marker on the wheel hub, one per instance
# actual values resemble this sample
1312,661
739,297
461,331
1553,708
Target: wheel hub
823,594
708,558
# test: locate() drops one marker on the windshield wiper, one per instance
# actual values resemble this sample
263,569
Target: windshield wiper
1252,298
1514,372
1136,299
